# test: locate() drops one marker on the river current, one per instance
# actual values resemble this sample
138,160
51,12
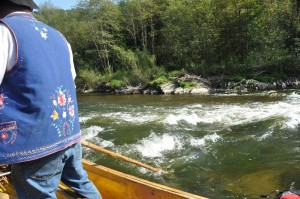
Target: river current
216,146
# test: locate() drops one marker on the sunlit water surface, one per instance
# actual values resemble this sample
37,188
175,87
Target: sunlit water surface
217,146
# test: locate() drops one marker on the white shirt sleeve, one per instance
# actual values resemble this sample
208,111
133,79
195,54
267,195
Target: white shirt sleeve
73,71
8,51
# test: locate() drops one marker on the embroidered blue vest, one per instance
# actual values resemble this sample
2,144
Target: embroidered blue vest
38,107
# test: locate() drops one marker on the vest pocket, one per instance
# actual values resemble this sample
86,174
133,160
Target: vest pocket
8,133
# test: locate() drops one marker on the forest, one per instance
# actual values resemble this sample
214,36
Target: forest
140,42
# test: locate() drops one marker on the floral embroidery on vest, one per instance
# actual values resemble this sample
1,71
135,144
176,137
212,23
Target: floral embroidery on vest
63,114
42,30
2,101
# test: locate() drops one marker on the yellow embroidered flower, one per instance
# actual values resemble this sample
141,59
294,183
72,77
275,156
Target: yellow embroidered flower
54,115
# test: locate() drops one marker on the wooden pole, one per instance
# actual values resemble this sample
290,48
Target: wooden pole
118,156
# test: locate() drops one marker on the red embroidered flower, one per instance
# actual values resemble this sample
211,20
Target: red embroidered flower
61,98
71,111
3,136
1,99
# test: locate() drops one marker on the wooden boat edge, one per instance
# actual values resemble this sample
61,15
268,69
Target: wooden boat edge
142,189
117,185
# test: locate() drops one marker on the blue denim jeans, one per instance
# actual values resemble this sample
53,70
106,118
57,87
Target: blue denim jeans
40,178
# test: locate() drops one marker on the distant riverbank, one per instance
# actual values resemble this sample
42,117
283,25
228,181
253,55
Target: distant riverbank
192,84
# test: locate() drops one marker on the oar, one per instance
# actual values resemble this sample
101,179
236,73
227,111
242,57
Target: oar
118,156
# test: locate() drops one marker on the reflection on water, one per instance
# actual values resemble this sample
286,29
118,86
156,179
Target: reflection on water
218,146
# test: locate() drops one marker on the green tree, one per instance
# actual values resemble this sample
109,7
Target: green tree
100,25
269,38
190,35
139,23
234,21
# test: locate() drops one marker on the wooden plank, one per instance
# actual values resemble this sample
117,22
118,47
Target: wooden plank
64,192
6,196
117,185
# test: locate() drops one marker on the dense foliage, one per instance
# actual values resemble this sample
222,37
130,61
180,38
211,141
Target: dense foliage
138,41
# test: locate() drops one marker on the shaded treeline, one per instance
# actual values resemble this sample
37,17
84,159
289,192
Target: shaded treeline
147,41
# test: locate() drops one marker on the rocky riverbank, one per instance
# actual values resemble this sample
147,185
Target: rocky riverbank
202,86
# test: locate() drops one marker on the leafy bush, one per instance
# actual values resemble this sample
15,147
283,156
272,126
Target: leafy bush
271,77
117,83
159,81
187,84
236,78
176,73
88,79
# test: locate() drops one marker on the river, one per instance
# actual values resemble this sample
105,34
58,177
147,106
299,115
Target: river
216,146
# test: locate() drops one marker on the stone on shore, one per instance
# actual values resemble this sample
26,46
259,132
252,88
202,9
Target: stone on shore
173,88
168,88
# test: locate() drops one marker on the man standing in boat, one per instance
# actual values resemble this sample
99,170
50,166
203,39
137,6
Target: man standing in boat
39,126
